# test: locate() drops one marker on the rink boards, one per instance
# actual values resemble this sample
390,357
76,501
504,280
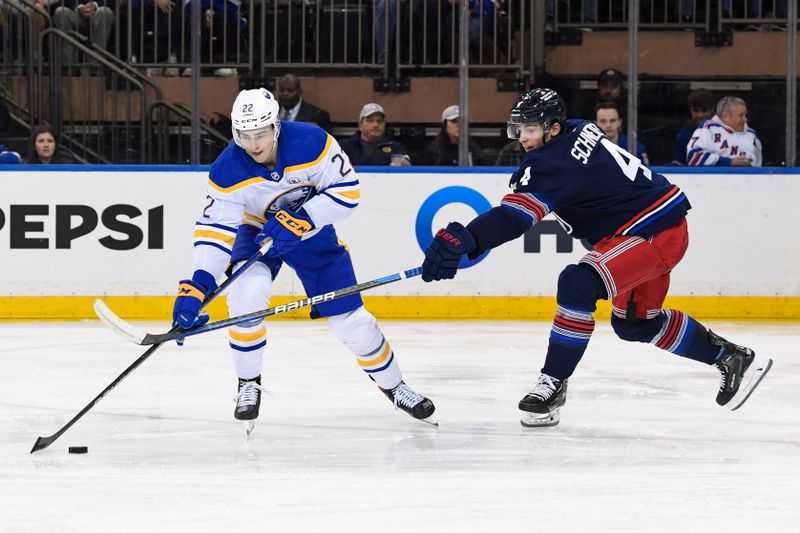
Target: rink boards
72,234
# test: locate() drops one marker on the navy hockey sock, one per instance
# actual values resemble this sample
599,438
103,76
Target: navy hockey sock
572,329
685,336
579,288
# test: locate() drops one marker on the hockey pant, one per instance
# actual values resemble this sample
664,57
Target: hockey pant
635,273
357,329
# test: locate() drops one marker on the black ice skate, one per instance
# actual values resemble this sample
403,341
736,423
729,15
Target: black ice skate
740,369
418,406
248,401
541,406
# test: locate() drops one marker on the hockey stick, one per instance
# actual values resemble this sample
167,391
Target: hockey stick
44,442
140,338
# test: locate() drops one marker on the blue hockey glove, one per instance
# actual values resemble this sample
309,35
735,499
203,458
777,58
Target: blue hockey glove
444,253
191,293
286,229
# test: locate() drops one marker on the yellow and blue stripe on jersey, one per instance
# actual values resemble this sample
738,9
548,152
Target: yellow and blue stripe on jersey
216,235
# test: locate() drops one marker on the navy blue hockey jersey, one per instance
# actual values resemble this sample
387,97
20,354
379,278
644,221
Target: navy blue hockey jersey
594,188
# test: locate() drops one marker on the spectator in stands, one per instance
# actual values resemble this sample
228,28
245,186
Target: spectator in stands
725,139
155,27
8,156
610,88
510,155
443,151
223,34
483,14
44,150
91,19
606,115
295,108
701,103
371,145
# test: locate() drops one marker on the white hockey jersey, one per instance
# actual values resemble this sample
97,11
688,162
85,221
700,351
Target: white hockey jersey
311,172
714,143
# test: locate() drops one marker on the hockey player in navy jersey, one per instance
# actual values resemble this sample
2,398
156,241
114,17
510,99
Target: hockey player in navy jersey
636,222
289,182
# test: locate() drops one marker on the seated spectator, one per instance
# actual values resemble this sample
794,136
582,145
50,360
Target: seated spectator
700,108
155,29
371,145
295,108
725,139
606,116
44,150
510,155
222,34
9,157
486,15
443,151
610,88
91,19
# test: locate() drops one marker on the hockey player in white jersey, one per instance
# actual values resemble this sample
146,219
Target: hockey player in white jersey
289,182
725,139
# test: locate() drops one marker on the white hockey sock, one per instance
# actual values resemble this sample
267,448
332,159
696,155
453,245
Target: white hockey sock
359,331
247,340
247,348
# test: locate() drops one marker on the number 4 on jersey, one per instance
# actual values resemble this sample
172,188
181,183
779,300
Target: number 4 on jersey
630,167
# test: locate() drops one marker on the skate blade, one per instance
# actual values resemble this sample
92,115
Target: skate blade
249,426
752,377
430,421
538,420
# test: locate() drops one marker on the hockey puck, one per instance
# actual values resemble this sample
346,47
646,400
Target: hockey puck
78,449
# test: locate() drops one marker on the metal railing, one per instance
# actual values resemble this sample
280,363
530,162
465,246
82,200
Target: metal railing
22,22
96,106
171,132
703,15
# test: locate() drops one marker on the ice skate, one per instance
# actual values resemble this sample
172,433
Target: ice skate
418,406
740,369
248,401
541,406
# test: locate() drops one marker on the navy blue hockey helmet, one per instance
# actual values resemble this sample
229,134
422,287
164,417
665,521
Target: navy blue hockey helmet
542,106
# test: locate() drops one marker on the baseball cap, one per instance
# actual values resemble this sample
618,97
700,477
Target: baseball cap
450,113
613,75
371,109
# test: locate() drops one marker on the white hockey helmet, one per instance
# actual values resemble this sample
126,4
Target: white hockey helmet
254,109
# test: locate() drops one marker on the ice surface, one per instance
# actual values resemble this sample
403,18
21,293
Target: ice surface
642,446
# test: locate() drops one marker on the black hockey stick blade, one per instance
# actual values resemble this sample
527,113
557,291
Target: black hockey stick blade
151,338
44,442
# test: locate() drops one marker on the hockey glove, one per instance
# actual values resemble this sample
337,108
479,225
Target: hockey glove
286,229
444,254
191,294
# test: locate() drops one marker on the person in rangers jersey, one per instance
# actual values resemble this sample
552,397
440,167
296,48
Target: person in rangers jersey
289,182
636,222
725,139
